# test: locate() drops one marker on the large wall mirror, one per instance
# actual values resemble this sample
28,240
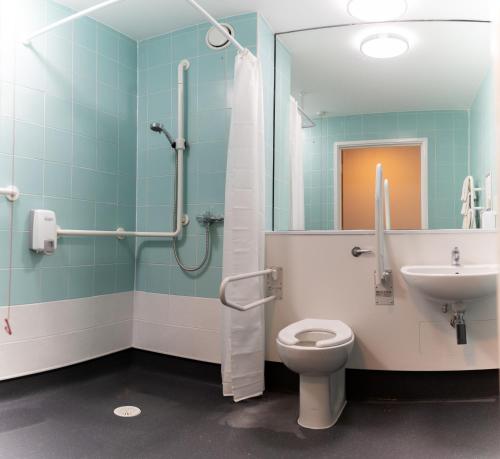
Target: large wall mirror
415,96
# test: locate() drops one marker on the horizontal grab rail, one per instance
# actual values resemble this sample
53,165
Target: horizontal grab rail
274,284
119,233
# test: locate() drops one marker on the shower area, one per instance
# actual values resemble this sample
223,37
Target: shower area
89,129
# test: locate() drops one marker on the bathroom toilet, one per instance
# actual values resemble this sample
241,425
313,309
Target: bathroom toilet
318,350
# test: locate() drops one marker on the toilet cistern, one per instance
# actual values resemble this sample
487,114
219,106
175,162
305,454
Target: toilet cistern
455,256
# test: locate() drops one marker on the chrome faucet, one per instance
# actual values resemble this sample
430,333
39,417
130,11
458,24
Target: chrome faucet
455,257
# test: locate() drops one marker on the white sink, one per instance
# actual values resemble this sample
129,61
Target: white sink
452,283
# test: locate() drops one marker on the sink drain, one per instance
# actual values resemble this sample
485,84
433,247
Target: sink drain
127,411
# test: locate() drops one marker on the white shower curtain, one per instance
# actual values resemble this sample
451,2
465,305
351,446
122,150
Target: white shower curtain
243,333
296,168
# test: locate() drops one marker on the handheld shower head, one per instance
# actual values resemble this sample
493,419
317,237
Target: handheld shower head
158,127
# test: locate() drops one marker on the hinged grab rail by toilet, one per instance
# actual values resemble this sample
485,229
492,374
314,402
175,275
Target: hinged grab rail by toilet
274,287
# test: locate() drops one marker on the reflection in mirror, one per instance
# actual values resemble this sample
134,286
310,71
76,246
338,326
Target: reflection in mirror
427,115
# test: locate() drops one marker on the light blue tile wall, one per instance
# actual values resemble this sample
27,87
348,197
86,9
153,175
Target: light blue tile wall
282,154
448,137
75,94
482,133
209,86
68,141
265,51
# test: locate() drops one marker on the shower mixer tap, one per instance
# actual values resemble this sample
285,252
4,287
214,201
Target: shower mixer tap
208,218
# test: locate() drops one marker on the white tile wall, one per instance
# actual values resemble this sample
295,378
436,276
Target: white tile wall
60,333
183,326
321,280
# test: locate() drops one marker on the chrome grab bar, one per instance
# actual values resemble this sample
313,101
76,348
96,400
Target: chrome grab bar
274,286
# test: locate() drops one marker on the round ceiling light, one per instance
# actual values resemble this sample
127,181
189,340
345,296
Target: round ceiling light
384,46
377,10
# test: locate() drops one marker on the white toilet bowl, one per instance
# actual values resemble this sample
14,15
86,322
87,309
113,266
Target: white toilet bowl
318,350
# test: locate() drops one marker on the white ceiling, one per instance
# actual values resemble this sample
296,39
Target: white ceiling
141,19
335,75
443,69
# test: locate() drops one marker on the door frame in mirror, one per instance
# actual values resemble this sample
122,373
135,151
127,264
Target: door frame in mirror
337,161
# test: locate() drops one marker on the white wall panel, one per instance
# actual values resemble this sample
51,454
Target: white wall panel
323,280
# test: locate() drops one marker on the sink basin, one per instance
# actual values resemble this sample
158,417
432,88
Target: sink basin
452,283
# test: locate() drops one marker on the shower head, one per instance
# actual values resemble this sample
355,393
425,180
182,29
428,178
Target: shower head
158,127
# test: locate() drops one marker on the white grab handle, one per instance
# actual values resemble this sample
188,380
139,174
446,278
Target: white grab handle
274,272
10,192
383,269
387,204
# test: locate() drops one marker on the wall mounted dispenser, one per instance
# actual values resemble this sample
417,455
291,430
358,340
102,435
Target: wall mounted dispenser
43,231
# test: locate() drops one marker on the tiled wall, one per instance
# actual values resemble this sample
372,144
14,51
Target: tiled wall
68,141
282,161
265,51
446,131
209,85
482,134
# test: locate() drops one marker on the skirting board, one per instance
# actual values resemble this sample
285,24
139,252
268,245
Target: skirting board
365,385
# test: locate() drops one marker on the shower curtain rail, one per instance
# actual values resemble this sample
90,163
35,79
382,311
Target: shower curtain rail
274,286
73,17
219,27
10,192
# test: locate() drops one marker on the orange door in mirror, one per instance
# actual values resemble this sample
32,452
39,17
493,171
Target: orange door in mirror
401,166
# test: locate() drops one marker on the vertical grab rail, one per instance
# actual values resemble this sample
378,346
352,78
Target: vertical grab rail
387,204
274,286
383,272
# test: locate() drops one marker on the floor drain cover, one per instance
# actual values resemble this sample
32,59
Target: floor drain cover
127,411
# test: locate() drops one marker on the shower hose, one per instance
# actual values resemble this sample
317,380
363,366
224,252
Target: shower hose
207,224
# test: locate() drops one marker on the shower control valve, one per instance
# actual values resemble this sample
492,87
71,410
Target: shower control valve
208,218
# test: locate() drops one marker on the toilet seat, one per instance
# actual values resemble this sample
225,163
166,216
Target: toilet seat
341,333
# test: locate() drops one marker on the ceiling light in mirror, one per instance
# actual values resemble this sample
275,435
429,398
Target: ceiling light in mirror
384,46
376,10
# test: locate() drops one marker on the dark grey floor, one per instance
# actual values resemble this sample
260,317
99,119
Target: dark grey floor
185,418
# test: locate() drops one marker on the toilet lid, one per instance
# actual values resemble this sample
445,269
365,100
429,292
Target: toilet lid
340,331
